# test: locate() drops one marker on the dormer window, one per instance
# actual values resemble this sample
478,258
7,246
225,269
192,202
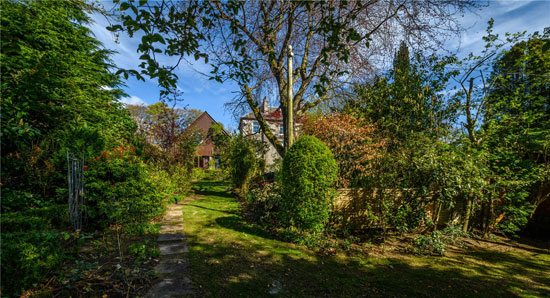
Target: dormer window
255,127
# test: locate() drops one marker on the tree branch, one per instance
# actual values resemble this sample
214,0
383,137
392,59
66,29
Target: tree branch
263,124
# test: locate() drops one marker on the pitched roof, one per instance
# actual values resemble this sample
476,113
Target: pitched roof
203,123
273,114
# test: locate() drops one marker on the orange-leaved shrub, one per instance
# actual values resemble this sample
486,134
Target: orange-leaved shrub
354,143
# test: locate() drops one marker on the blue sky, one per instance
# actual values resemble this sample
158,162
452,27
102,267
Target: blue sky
203,94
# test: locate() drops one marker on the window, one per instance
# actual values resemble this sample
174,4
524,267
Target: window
281,130
255,127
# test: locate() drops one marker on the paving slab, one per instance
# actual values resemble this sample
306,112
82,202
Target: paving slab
169,287
177,219
173,213
174,208
171,228
173,248
173,266
175,236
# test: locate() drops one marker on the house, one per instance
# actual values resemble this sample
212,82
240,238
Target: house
207,155
250,127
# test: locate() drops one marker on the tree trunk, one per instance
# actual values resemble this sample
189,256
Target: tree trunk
437,214
467,214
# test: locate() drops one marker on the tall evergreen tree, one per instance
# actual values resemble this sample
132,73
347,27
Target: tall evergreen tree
407,100
401,60
58,95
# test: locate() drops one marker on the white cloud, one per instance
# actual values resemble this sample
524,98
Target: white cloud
132,100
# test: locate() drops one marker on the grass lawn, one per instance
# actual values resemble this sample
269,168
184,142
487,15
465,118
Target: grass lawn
230,258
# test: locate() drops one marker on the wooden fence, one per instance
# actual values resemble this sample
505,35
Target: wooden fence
360,208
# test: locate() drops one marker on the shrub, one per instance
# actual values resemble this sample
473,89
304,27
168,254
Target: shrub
243,161
55,216
353,143
436,242
430,244
213,174
309,174
119,190
263,203
27,258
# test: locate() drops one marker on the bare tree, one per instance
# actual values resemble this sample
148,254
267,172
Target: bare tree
334,42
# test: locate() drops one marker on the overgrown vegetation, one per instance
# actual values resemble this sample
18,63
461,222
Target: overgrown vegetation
59,95
442,148
397,138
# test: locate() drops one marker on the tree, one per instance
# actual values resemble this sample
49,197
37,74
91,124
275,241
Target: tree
242,158
517,129
248,42
54,97
168,124
504,101
408,100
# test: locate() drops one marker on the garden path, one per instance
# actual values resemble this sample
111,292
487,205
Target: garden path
173,267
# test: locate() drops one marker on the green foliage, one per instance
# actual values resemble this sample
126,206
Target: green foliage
517,128
264,203
58,95
119,190
408,100
213,174
309,175
142,251
56,216
431,244
436,242
243,161
28,257
31,248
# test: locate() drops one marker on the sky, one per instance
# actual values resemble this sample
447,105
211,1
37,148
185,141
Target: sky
207,95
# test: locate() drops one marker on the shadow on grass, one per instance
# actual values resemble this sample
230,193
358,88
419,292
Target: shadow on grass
236,223
525,243
235,212
245,261
211,188
252,270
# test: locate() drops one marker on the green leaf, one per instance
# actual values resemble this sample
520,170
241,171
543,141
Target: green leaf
124,6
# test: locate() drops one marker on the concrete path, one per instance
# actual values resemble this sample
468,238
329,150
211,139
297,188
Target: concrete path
173,267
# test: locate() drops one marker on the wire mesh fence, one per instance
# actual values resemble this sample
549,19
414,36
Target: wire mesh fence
75,177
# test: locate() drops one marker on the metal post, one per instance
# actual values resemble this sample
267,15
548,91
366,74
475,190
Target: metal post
290,107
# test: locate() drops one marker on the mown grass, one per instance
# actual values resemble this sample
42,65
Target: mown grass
231,258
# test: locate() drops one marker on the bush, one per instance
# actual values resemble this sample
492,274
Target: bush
119,189
263,203
27,258
436,242
353,142
430,244
243,161
308,176
213,174
55,216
